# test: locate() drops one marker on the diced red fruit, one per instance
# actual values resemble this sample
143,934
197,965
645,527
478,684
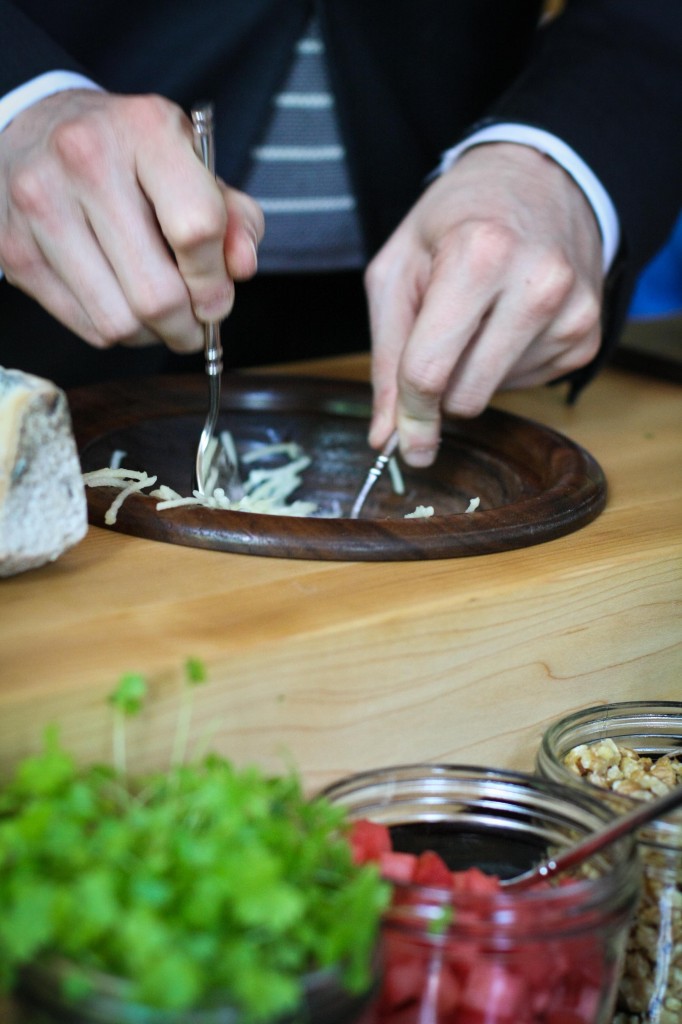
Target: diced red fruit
560,987
430,869
474,881
397,867
414,975
368,840
404,979
496,992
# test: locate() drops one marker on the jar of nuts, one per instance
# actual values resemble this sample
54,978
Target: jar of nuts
633,751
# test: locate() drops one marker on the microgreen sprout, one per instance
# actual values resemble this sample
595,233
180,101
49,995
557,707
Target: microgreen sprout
127,700
195,674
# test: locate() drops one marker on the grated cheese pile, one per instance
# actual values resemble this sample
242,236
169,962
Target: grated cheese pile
265,490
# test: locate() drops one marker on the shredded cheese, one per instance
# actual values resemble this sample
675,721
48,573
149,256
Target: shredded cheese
421,512
397,482
266,491
129,480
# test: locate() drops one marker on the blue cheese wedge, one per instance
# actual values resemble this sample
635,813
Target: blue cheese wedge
43,510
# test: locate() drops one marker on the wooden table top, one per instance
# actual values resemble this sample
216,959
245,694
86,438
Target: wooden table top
341,666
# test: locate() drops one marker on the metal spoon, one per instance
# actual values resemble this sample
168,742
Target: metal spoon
211,461
622,825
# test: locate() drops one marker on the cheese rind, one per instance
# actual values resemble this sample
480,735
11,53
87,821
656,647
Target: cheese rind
43,510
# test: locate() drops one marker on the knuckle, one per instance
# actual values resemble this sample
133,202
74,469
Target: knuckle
381,269
18,261
79,147
550,288
27,191
114,328
585,320
467,402
580,352
152,303
425,380
196,228
373,275
151,111
489,246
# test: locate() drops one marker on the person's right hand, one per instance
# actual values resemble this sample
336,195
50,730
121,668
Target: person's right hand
113,224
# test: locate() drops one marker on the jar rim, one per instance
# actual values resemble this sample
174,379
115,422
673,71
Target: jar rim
649,721
581,810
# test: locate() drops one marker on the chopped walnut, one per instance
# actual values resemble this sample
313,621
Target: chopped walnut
651,983
623,770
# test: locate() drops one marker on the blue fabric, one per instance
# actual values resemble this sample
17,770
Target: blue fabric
659,286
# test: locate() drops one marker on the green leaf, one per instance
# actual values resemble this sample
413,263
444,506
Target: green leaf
25,922
266,993
171,980
195,671
46,773
129,695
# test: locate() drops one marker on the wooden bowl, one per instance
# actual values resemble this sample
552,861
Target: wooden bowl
534,484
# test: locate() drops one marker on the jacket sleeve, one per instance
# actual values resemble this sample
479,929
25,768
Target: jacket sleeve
605,77
26,51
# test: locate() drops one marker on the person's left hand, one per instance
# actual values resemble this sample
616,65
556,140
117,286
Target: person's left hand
494,279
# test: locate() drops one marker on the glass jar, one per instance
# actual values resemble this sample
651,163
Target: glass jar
651,986
546,955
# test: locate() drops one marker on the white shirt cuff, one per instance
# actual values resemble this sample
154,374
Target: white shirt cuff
559,151
24,96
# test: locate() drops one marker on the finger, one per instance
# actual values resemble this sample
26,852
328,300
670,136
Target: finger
540,329
393,296
79,284
149,279
116,199
451,317
55,296
546,360
190,209
245,230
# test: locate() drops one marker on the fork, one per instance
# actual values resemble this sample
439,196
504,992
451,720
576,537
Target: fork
212,463
375,471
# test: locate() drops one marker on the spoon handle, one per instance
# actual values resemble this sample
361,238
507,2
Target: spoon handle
630,822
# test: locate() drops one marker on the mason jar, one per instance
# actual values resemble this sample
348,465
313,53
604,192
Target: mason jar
549,954
590,749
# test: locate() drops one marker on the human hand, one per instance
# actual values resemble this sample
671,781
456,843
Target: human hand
493,279
114,225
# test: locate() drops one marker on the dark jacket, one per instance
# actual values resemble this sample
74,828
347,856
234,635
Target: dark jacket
411,77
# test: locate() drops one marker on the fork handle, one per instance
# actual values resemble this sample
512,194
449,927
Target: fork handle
202,115
373,474
213,350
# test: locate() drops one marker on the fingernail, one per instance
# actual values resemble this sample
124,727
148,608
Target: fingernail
215,311
420,458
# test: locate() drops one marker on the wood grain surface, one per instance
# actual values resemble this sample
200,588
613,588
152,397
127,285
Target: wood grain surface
340,665
533,484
